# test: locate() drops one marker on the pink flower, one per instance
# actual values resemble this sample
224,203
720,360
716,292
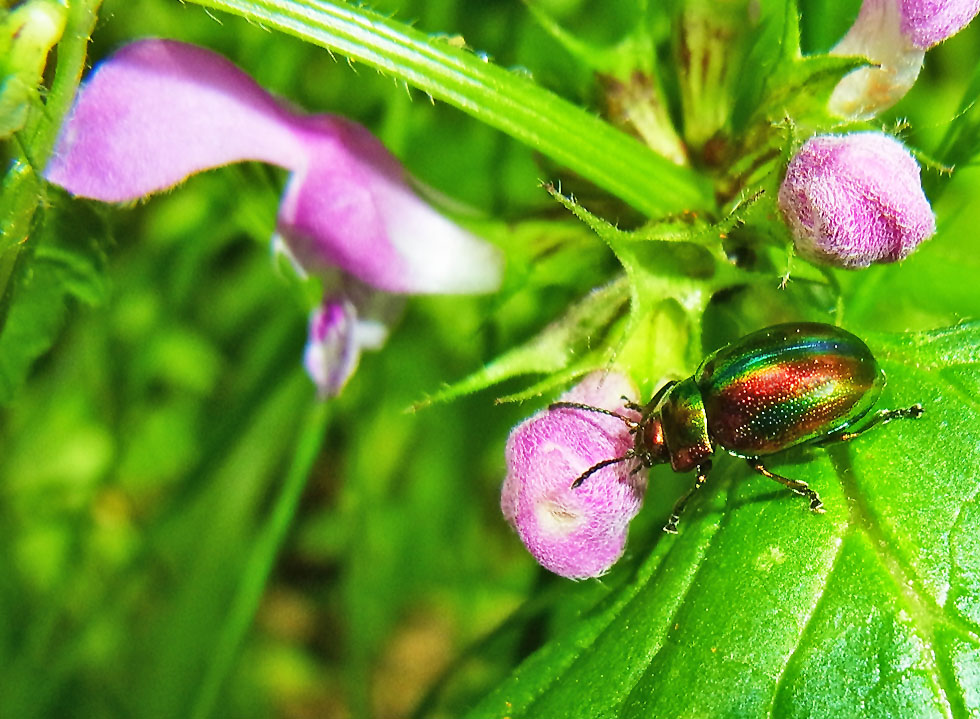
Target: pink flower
352,319
158,110
926,23
894,35
581,532
851,200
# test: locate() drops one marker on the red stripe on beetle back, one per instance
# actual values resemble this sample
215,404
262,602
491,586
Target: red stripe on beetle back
776,405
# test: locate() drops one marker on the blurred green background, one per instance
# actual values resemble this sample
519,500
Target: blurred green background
152,461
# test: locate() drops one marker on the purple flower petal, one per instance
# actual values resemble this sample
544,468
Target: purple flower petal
855,199
350,320
577,533
877,35
928,22
353,187
332,351
158,111
894,35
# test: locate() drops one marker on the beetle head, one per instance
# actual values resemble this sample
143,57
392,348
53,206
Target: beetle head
649,445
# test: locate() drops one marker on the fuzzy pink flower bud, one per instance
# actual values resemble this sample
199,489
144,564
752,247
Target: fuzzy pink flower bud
894,35
576,533
851,200
929,22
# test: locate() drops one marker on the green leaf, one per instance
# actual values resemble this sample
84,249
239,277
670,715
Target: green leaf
30,296
67,262
259,565
824,22
501,98
213,596
961,142
562,345
776,43
760,607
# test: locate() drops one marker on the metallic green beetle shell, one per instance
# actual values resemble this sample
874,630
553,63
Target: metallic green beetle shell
685,426
787,385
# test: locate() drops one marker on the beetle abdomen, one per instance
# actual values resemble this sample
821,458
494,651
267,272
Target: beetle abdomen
787,385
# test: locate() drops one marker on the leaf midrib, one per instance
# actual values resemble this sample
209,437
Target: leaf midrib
817,603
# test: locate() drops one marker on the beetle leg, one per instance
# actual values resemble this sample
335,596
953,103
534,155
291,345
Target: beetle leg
883,417
796,485
675,515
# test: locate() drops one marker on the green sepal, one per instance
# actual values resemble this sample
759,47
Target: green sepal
554,349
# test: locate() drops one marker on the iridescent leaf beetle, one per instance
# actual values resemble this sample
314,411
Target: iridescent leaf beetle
785,385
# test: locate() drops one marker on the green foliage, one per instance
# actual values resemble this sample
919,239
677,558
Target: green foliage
496,96
186,532
760,606
27,34
66,262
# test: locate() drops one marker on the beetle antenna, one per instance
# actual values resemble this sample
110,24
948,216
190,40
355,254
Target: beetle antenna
596,467
632,424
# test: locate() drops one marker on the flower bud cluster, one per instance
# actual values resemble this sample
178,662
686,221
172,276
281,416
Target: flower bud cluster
857,199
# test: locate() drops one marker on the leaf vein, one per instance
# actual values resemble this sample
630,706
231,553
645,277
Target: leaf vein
639,589
725,519
962,394
925,611
807,625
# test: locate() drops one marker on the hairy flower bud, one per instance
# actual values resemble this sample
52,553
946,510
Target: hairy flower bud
929,22
576,533
851,200
894,35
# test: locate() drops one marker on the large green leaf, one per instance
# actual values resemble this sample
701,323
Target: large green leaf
759,607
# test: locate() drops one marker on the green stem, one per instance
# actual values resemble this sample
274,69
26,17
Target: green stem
260,563
503,99
22,189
